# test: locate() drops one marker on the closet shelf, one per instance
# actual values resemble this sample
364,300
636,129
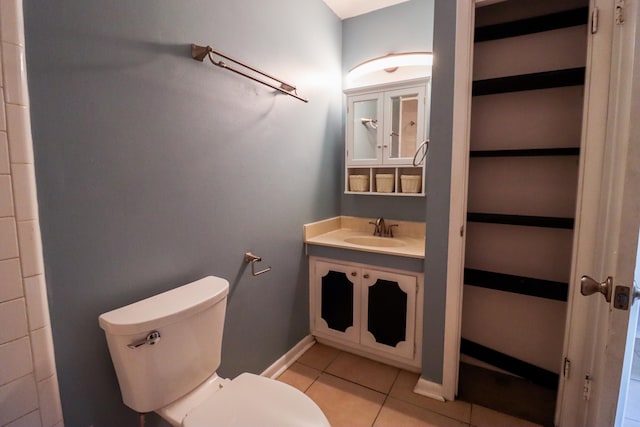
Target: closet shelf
526,220
532,81
540,288
537,24
527,152
511,364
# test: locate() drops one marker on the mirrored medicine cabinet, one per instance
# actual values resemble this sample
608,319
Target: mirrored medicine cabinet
385,131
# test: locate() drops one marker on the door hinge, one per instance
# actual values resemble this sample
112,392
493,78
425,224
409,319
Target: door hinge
594,20
619,14
462,231
566,369
586,388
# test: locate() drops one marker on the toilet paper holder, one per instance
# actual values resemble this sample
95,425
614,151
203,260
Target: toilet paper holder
251,258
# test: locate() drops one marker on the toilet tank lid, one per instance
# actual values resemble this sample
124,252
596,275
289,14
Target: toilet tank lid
165,308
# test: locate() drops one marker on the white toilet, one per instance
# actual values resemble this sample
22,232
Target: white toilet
166,350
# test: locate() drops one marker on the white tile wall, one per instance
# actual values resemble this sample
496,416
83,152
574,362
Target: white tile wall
32,419
30,247
10,280
13,318
29,395
15,73
6,196
4,151
1,77
3,119
19,131
50,408
12,22
24,191
8,239
16,360
37,307
42,346
18,398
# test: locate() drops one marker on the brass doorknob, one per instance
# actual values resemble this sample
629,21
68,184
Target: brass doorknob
590,286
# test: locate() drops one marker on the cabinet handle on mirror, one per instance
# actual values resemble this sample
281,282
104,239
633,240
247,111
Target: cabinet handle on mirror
366,275
354,274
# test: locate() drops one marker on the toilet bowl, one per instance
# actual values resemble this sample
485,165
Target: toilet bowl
166,350
248,400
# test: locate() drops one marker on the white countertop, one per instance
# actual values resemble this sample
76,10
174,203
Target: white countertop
409,237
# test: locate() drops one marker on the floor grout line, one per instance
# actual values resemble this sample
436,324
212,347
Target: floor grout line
356,383
387,395
386,398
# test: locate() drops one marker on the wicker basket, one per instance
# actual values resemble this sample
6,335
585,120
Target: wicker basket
359,182
410,183
384,182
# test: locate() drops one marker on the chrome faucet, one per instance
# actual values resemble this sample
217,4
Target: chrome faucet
381,229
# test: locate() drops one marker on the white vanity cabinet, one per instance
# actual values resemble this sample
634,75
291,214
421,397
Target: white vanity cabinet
367,310
385,127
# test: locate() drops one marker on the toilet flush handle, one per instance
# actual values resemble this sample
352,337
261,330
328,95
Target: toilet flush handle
152,338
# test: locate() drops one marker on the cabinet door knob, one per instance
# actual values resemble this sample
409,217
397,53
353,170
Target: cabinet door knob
354,274
366,276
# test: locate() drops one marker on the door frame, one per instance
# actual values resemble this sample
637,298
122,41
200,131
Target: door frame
463,81
579,344
617,239
581,327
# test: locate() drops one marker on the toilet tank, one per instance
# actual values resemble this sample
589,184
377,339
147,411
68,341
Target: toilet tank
189,320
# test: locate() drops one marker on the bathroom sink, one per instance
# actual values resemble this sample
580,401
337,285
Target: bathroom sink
386,242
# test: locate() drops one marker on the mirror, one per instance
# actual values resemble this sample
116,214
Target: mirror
386,123
404,126
365,129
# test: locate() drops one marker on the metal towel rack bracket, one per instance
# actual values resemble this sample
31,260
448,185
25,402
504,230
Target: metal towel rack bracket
249,257
371,122
199,53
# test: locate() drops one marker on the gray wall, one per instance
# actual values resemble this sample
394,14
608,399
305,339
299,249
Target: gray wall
405,27
154,170
417,25
438,180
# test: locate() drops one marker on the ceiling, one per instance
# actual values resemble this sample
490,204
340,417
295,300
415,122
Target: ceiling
348,8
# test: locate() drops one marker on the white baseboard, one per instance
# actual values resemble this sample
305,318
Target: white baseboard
429,389
281,365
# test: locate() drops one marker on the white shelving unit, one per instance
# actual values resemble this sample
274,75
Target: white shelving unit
386,125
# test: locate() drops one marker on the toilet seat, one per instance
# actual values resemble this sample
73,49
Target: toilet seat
251,400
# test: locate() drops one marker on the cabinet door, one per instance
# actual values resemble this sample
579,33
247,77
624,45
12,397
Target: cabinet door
337,302
388,312
404,124
364,129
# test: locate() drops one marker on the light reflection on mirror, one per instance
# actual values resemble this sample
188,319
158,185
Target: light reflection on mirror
365,130
404,129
